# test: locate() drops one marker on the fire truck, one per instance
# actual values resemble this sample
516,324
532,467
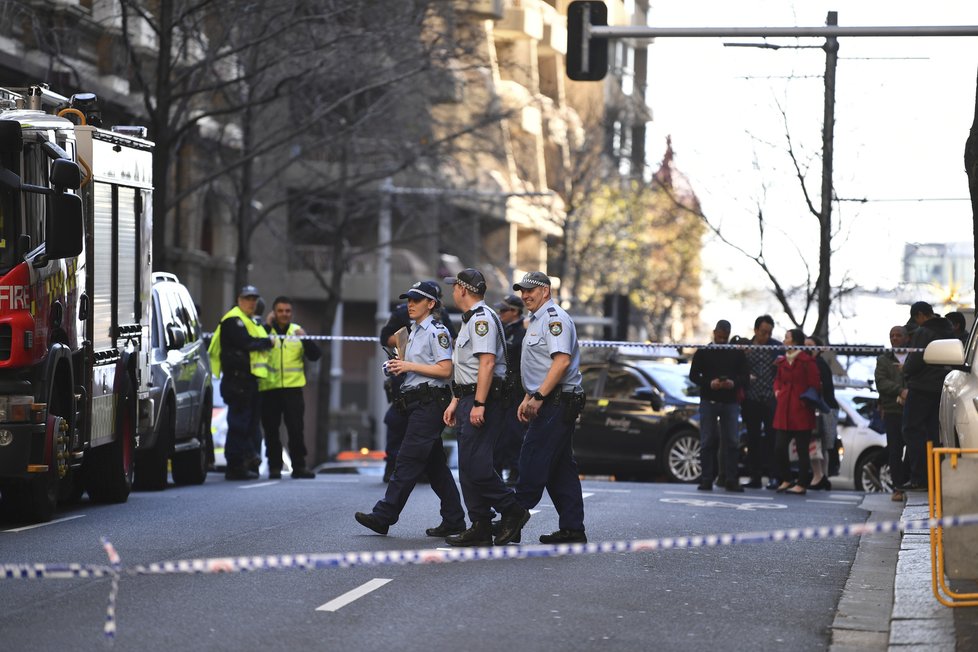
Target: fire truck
75,280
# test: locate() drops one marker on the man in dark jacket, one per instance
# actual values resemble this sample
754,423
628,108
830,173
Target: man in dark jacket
924,383
719,373
507,453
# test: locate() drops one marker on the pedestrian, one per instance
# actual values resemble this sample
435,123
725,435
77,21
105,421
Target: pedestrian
426,366
959,325
921,421
507,454
478,408
892,388
552,401
395,422
826,421
757,408
239,357
282,391
719,373
794,417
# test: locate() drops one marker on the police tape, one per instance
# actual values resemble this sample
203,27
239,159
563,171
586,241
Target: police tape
840,349
317,561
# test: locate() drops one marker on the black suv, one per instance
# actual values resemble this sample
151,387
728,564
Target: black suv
641,419
181,389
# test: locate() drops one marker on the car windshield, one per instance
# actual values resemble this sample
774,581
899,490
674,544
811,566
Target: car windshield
672,379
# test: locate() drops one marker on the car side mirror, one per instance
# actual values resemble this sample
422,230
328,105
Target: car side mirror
176,336
651,395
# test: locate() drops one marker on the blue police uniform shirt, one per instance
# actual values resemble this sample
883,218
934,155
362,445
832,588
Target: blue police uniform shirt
550,331
428,343
479,335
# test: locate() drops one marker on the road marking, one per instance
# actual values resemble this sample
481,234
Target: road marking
36,525
338,603
587,494
743,507
725,494
260,484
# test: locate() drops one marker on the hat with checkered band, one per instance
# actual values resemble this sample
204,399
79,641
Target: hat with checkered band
532,280
423,290
469,279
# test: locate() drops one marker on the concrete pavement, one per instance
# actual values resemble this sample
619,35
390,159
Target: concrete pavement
888,603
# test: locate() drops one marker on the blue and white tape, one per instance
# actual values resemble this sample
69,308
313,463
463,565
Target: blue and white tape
316,561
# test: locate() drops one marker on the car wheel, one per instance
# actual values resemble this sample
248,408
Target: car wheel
151,469
190,467
681,457
872,474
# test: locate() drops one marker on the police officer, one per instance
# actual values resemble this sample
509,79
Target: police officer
238,353
281,391
424,394
507,454
396,422
552,380
477,408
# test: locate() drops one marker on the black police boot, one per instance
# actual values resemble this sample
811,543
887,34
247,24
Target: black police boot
445,529
564,536
274,474
372,522
302,473
239,472
496,527
511,525
477,535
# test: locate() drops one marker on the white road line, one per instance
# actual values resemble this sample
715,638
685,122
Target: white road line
725,494
338,603
587,494
36,525
260,484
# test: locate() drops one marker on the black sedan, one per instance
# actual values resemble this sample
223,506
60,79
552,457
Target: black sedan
641,419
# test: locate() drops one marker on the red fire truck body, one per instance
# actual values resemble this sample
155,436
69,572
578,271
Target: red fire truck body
75,275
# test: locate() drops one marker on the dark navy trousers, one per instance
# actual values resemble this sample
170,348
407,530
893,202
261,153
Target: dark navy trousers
547,462
243,442
421,451
482,487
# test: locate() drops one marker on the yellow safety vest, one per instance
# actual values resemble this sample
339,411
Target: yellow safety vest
285,362
258,359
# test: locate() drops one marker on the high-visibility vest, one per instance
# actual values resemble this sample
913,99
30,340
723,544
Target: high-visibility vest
258,359
285,367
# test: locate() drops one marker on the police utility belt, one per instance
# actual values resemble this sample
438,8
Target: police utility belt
571,399
421,395
497,389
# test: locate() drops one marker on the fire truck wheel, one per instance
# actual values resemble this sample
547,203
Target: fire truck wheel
109,468
190,467
151,468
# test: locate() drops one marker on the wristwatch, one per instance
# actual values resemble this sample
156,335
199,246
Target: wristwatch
477,403
538,396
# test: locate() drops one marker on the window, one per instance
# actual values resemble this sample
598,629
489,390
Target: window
621,384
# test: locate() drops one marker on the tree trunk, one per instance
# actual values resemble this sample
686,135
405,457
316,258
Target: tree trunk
971,168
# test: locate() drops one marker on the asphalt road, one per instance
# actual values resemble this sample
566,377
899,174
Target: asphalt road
765,596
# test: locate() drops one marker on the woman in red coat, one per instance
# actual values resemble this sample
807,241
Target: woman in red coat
794,418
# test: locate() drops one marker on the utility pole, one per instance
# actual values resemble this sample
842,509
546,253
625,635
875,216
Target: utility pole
824,284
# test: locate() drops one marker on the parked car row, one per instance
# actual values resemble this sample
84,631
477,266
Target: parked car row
642,420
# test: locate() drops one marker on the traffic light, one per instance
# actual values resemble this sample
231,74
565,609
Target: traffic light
586,60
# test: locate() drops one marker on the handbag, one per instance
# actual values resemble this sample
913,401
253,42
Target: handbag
813,399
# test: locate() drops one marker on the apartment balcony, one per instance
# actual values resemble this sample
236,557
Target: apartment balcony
554,35
481,9
522,21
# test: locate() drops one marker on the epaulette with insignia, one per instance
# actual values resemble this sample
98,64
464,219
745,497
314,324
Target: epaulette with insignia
552,310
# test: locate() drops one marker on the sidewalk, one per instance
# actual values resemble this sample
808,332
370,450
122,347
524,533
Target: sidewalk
888,603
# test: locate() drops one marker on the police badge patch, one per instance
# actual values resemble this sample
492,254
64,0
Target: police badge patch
443,340
556,328
481,328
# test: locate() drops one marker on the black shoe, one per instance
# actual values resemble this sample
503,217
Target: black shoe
753,484
496,527
302,473
445,530
479,534
511,525
735,487
705,486
772,485
821,485
372,522
721,481
913,486
255,464
564,536
274,474
240,473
